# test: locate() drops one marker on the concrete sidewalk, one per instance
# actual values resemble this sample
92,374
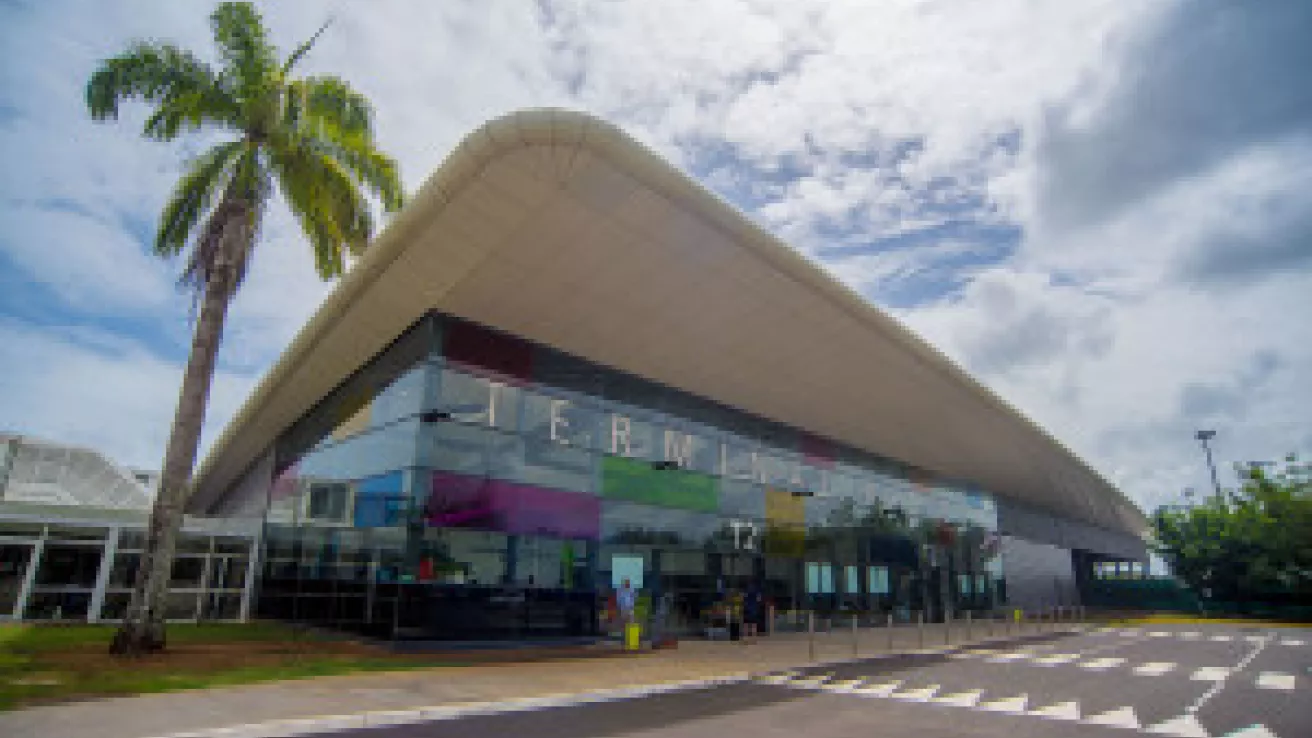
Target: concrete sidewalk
179,712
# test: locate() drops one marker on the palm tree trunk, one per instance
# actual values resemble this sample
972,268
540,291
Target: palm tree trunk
143,627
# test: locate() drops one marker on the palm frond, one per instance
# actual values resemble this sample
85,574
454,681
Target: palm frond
249,60
155,73
322,194
304,49
193,195
329,102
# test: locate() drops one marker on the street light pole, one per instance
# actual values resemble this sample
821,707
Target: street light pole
1203,437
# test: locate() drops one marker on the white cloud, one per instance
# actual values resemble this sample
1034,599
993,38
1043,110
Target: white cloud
110,393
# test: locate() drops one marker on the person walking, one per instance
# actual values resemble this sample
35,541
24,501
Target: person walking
753,605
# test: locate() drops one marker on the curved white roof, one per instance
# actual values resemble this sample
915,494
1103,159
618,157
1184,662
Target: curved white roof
559,228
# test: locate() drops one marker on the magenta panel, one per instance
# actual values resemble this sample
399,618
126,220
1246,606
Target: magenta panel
460,501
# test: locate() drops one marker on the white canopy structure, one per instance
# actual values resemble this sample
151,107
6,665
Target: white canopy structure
557,227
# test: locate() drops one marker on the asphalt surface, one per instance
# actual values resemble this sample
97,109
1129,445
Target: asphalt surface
1200,681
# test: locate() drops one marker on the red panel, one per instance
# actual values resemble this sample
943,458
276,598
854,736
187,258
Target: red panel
475,346
817,452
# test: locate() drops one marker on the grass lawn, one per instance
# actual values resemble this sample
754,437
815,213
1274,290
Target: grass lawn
53,663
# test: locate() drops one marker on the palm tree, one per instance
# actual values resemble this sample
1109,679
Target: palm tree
313,138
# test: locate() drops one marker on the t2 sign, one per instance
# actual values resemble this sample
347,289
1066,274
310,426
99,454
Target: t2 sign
745,534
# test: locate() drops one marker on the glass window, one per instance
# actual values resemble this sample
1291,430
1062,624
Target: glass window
851,579
228,572
58,606
878,580
469,398
124,573
188,572
69,566
327,502
115,606
457,448
180,605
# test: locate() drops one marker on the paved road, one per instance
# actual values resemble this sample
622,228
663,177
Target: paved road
1199,681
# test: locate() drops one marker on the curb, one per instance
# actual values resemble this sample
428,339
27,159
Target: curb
321,724
334,723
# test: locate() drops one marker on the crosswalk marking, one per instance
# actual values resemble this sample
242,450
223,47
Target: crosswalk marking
922,694
1184,726
1006,658
1057,659
1222,638
961,699
1159,634
1210,674
1059,711
1101,664
1253,731
1011,705
1275,680
878,690
1255,639
1191,635
1154,668
1131,632
1291,642
1122,717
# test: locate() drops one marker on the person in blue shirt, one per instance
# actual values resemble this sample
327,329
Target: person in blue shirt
626,599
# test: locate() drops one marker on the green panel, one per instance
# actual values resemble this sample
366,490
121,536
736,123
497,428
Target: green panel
638,481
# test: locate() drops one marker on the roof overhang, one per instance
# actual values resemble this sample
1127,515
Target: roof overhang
559,228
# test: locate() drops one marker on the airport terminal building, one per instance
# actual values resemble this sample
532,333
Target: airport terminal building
565,364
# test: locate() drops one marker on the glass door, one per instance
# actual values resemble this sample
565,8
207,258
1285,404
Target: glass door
14,560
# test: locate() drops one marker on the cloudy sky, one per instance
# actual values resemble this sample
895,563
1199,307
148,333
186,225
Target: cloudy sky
1100,208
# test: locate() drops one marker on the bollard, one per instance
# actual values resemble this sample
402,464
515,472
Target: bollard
920,620
890,632
810,631
947,628
968,634
855,648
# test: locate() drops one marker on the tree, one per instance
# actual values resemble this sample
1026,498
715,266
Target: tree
310,137
1247,545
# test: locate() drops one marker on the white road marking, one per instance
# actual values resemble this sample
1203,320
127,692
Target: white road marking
1191,635
1211,674
1131,632
1255,639
960,699
1056,659
1184,726
879,690
1011,705
1291,642
1059,711
1154,668
1122,717
1159,634
922,694
1222,639
1275,680
1253,731
1102,664
1006,658
842,685
1220,684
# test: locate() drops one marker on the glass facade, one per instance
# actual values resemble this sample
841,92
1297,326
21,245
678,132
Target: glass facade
467,484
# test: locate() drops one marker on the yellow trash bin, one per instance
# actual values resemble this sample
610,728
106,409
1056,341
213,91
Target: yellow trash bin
632,636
